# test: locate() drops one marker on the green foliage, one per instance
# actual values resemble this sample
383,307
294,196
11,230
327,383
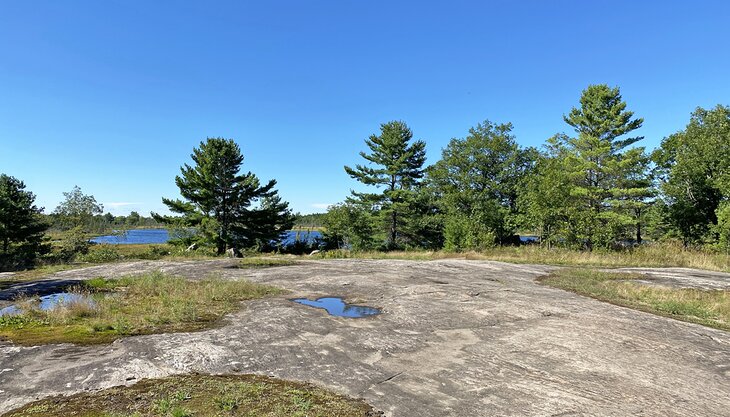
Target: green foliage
21,225
348,226
312,220
478,179
395,165
75,242
544,200
723,226
462,233
694,166
105,253
77,209
592,190
226,208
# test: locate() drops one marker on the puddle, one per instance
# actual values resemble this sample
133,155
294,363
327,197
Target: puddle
48,302
335,306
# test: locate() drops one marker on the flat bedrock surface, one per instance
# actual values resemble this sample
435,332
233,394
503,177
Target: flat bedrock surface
459,338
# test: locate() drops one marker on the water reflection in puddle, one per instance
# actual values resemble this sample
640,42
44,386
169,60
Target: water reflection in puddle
48,302
335,306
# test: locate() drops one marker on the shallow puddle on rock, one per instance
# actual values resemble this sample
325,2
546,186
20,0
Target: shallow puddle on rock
335,306
48,302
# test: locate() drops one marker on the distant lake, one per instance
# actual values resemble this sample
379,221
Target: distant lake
146,236
135,237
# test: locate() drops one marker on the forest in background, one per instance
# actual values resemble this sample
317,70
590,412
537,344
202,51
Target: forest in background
594,189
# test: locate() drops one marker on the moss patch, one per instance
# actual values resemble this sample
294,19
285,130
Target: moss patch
202,396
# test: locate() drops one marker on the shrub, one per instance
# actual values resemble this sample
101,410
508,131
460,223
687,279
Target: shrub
105,253
74,242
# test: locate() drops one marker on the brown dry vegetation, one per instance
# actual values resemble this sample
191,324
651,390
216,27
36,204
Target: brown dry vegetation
150,303
707,307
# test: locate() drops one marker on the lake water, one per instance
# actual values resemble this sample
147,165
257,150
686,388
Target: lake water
145,236
135,236
157,236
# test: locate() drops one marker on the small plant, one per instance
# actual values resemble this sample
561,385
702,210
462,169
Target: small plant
75,242
227,402
180,412
102,254
164,406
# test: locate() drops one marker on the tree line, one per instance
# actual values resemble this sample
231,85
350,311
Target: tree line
27,233
596,188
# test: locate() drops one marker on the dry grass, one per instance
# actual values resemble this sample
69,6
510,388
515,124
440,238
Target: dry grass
707,307
201,396
150,303
659,255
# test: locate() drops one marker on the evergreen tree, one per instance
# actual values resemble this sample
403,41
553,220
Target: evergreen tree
606,173
228,209
21,225
397,170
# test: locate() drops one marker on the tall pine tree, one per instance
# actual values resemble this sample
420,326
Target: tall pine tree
609,186
228,209
396,167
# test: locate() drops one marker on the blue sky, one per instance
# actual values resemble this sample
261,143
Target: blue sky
113,95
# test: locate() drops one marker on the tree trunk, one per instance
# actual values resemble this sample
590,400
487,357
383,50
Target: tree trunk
393,228
638,232
220,247
393,215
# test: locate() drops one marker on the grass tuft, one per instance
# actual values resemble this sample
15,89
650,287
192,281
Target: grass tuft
707,307
264,262
150,303
652,255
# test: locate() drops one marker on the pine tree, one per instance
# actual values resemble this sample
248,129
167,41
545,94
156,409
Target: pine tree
609,179
21,225
398,168
228,209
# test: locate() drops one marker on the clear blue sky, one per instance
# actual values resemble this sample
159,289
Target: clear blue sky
113,95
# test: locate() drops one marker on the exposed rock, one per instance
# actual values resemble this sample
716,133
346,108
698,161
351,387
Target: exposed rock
234,253
517,349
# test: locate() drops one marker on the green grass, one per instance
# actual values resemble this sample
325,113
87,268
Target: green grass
658,255
150,303
707,307
264,262
201,396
